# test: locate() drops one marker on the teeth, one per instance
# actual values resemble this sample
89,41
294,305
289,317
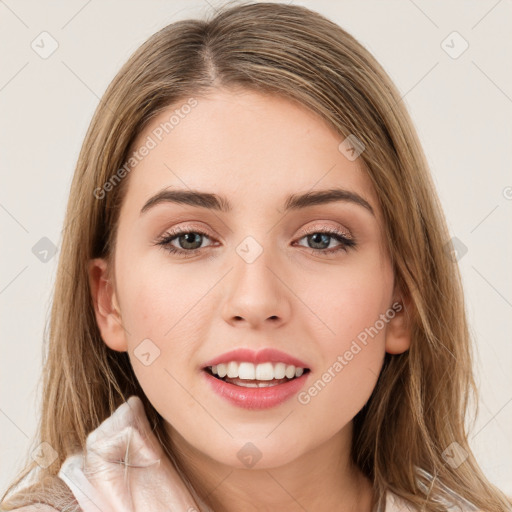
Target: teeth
262,371
245,371
232,369
257,384
279,370
221,370
290,372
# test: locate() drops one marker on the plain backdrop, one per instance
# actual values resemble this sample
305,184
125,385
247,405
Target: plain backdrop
459,98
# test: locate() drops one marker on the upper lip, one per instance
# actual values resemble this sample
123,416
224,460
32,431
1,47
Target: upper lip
265,355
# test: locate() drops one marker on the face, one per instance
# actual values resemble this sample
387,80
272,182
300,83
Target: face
263,270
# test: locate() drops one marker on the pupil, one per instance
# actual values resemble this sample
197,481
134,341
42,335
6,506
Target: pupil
194,238
323,238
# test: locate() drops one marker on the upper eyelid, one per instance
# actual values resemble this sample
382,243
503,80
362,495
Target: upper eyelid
198,228
173,233
189,229
315,229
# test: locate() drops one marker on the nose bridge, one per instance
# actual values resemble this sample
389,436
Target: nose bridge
256,292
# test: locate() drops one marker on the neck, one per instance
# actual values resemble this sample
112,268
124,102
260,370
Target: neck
323,478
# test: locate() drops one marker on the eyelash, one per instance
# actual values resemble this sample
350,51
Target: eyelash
165,240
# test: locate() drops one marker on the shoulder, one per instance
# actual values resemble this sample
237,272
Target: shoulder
395,503
48,494
36,507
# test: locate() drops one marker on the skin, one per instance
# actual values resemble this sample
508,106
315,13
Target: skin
256,150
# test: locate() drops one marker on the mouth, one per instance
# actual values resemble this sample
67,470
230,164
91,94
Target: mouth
244,388
248,375
256,380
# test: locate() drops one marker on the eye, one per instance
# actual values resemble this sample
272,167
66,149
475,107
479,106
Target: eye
189,240
321,239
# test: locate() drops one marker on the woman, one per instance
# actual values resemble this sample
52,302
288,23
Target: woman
254,251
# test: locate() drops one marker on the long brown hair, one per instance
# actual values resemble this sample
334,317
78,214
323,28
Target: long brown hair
419,404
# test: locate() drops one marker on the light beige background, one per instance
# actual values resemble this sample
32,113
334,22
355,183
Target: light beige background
462,108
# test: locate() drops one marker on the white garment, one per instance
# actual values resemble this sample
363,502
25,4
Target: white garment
396,504
125,439
85,493
90,500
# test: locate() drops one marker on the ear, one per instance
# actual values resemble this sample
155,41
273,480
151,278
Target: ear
108,316
398,331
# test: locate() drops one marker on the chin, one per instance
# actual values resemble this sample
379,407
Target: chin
258,453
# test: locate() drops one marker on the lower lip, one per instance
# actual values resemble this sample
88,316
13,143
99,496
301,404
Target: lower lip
256,398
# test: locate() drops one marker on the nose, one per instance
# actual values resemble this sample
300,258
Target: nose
256,294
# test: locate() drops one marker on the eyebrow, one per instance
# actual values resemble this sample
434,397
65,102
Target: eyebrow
212,201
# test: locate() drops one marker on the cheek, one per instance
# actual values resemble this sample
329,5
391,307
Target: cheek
162,340
348,299
351,363
163,316
160,300
358,308
352,304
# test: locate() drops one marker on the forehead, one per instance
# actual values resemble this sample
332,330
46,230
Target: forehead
251,147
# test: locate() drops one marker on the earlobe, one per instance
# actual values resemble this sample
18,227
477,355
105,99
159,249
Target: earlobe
398,331
108,316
